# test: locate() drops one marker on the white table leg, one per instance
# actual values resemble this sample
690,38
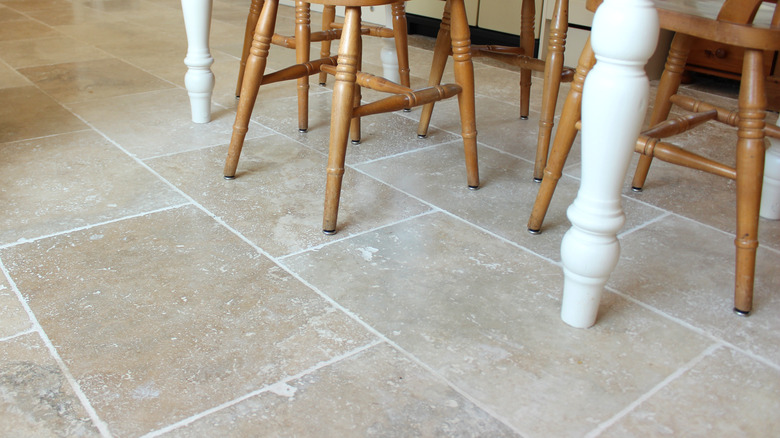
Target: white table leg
388,53
770,194
614,101
199,80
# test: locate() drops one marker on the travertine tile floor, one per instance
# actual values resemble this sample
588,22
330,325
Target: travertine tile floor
143,295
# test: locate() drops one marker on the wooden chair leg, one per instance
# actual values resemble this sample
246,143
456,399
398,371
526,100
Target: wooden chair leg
255,67
341,115
251,24
464,76
400,31
564,138
750,174
328,17
528,11
553,66
441,53
667,86
354,127
302,54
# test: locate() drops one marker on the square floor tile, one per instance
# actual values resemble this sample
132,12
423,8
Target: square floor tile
58,183
163,316
37,398
377,392
31,113
485,315
277,198
15,318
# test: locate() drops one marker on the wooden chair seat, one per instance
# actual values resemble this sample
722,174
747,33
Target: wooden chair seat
731,22
347,107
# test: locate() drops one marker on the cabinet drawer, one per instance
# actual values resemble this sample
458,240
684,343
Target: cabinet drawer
721,59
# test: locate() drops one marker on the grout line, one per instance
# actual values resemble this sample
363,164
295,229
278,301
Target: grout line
657,388
93,415
698,330
643,225
18,335
264,389
86,227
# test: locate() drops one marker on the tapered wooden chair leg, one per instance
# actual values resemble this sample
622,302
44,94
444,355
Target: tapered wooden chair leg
400,30
251,24
328,17
341,115
464,76
255,67
528,11
302,53
553,66
564,138
750,174
354,127
667,86
441,53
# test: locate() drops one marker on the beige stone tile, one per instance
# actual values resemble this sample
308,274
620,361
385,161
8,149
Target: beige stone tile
37,399
382,135
46,51
7,14
31,113
485,315
97,79
100,33
726,394
277,197
10,78
163,316
57,183
375,393
32,5
24,29
687,270
504,200
158,123
14,318
72,14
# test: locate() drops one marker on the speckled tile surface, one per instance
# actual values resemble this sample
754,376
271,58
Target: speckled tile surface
142,294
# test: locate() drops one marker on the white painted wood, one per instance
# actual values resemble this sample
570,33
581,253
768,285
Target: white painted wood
615,94
388,54
199,79
770,194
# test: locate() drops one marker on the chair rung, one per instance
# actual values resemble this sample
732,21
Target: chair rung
678,125
407,100
724,115
298,71
315,37
652,147
368,29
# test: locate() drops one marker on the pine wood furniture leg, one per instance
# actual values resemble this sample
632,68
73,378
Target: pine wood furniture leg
255,67
328,17
750,168
341,114
667,86
623,37
400,29
441,53
199,79
354,127
553,67
302,52
464,76
564,138
251,24
528,12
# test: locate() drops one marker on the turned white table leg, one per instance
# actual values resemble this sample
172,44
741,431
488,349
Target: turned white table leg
388,53
770,194
199,80
614,101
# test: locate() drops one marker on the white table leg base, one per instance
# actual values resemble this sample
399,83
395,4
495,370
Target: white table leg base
770,194
388,53
615,93
199,79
